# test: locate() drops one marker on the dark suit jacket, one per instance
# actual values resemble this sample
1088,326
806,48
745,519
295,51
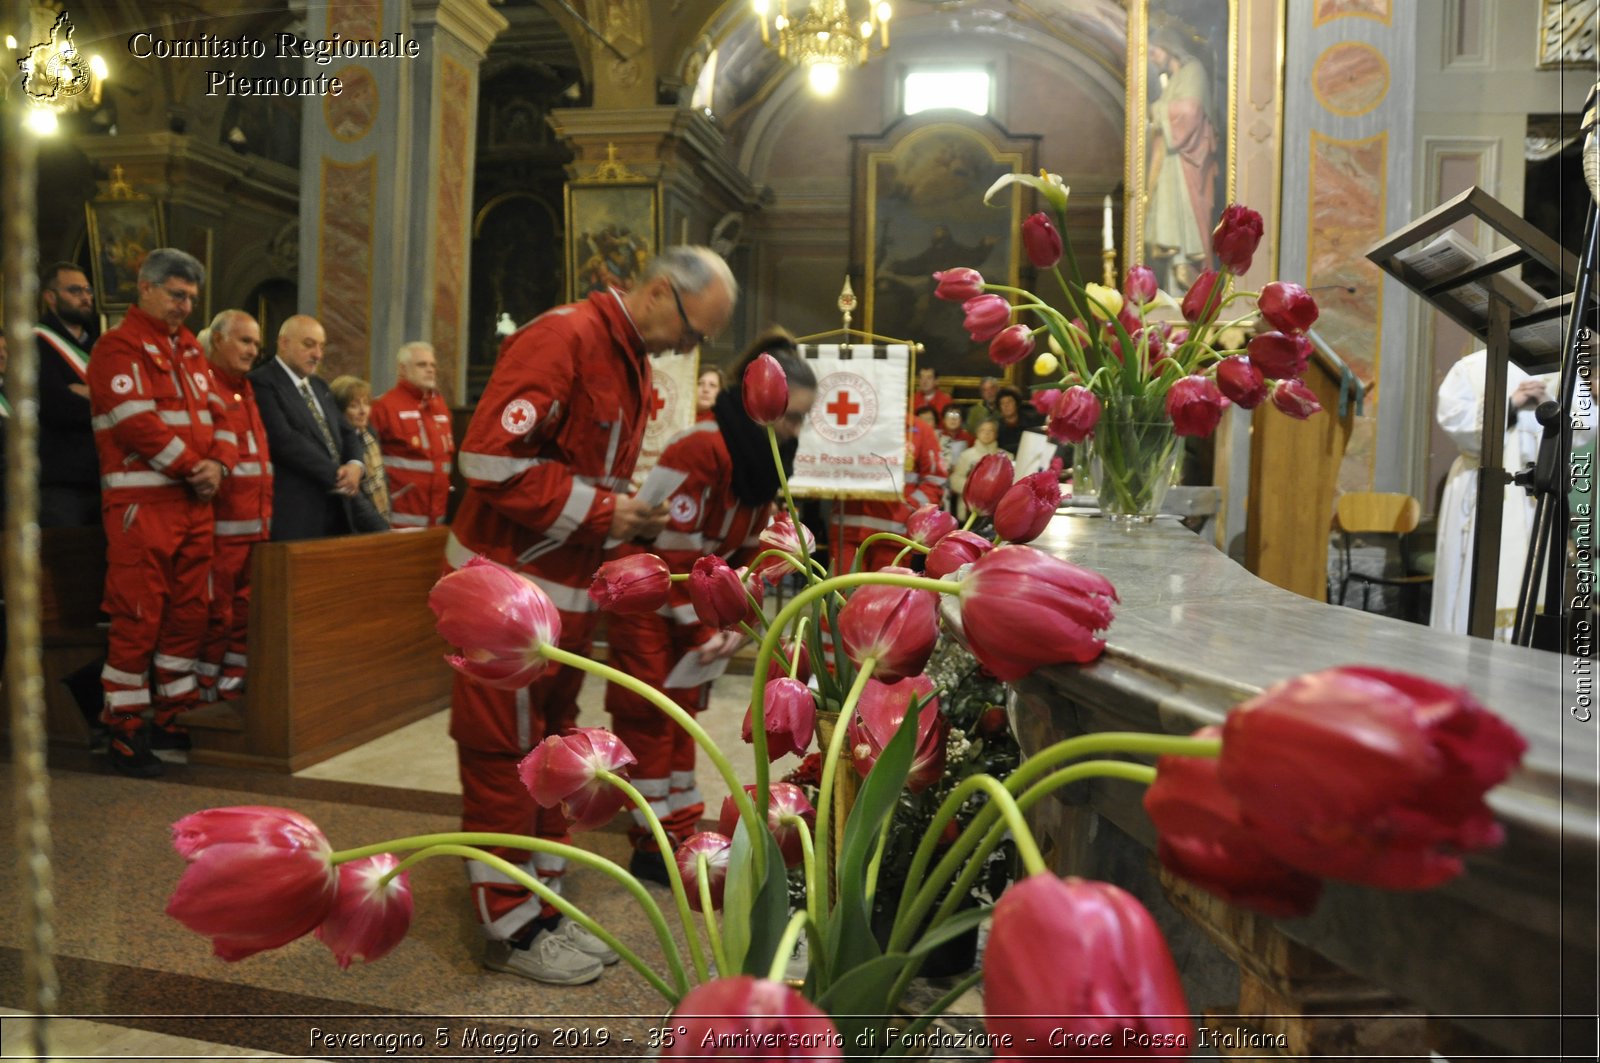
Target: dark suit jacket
303,505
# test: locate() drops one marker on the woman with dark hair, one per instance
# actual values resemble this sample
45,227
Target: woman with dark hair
708,385
721,508
1016,417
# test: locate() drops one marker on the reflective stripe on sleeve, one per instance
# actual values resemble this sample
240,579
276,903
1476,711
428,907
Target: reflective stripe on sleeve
494,468
121,412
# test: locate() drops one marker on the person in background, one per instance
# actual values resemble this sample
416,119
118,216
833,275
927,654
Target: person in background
928,416
982,446
69,469
371,508
987,407
243,506
706,389
412,425
721,508
1015,417
929,393
953,436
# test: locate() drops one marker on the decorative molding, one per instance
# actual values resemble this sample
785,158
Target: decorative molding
1350,78
472,22
1567,31
1458,54
1329,10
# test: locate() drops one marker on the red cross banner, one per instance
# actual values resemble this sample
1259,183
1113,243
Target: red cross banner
853,445
671,406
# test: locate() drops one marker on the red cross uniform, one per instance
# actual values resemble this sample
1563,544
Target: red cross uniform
926,477
413,432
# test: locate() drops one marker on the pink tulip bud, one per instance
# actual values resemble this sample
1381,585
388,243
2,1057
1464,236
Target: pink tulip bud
990,479
1195,405
1287,307
1065,606
1044,401
896,625
1199,299
986,315
499,620
1236,238
1041,241
744,1010
959,284
1139,286
1027,508
954,550
790,712
765,390
1011,345
782,535
715,849
368,919
635,583
878,715
565,770
1279,356
1241,381
784,799
717,593
928,524
1130,320
778,667
1074,415
1295,399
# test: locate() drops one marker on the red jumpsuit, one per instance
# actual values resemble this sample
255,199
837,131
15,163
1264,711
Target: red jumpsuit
413,430
154,411
551,443
926,477
243,509
706,519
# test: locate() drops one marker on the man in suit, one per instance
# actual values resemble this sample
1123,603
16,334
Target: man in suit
316,455
69,468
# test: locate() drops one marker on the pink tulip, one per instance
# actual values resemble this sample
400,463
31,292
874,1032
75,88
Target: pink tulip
1112,991
1241,381
1064,605
928,524
896,625
1287,307
1199,299
959,284
1027,508
1074,415
878,716
778,667
258,877
1295,399
1369,776
717,593
1236,237
765,390
1011,345
744,1010
636,583
1044,401
990,480
1041,241
1139,286
368,919
1195,405
954,550
715,849
1280,356
499,619
790,712
782,535
784,799
565,770
1201,836
986,315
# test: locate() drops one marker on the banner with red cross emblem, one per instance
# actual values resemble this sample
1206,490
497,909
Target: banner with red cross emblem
671,406
853,445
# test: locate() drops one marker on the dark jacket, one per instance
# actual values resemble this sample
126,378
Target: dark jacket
303,503
66,438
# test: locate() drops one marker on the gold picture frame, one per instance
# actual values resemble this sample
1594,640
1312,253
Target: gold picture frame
1567,34
121,233
613,229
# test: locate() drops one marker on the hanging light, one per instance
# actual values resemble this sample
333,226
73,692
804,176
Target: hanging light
824,37
57,77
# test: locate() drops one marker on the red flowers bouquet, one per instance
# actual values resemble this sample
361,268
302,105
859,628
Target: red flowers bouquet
1136,370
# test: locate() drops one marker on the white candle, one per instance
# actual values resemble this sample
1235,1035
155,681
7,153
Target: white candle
1107,240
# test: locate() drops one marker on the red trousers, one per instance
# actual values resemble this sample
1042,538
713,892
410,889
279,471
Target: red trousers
493,730
647,647
222,654
158,564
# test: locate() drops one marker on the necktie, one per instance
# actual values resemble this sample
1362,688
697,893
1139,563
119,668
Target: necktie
316,414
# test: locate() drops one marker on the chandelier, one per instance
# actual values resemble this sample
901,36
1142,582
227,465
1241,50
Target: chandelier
56,76
823,37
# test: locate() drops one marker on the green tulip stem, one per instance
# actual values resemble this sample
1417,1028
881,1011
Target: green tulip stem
788,502
749,632
786,944
908,1036
830,771
465,843
709,911
676,713
877,859
799,645
972,518
883,536
1135,742
675,880
808,857
796,563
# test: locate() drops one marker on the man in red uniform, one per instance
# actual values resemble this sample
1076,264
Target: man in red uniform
161,464
929,393
243,506
413,428
926,477
546,458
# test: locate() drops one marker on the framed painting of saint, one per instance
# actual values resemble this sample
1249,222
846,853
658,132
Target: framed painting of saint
612,231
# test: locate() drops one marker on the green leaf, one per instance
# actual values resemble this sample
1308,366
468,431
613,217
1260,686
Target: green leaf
738,896
860,1001
769,914
953,927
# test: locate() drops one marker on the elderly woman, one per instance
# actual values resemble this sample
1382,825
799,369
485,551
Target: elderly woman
369,509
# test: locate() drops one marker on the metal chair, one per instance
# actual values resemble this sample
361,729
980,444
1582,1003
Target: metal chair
1379,513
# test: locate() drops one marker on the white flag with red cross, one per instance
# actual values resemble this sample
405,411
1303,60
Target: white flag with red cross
853,444
670,406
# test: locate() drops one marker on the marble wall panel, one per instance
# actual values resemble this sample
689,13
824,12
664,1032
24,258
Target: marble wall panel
1348,189
351,114
1351,78
355,19
1328,10
344,266
450,219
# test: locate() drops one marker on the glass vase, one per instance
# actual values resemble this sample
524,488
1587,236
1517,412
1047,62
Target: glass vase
1133,459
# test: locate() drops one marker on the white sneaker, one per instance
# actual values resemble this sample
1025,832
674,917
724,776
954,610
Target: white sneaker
583,939
548,959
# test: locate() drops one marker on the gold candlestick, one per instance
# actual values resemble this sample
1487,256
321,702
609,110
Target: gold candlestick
1109,257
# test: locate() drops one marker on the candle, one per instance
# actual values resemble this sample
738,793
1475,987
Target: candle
1107,240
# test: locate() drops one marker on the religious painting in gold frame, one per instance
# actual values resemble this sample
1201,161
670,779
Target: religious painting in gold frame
1182,92
613,229
919,208
121,233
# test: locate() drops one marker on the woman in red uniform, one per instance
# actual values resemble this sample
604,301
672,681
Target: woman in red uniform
724,502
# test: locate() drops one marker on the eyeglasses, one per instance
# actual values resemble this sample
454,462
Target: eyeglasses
74,289
690,333
180,296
